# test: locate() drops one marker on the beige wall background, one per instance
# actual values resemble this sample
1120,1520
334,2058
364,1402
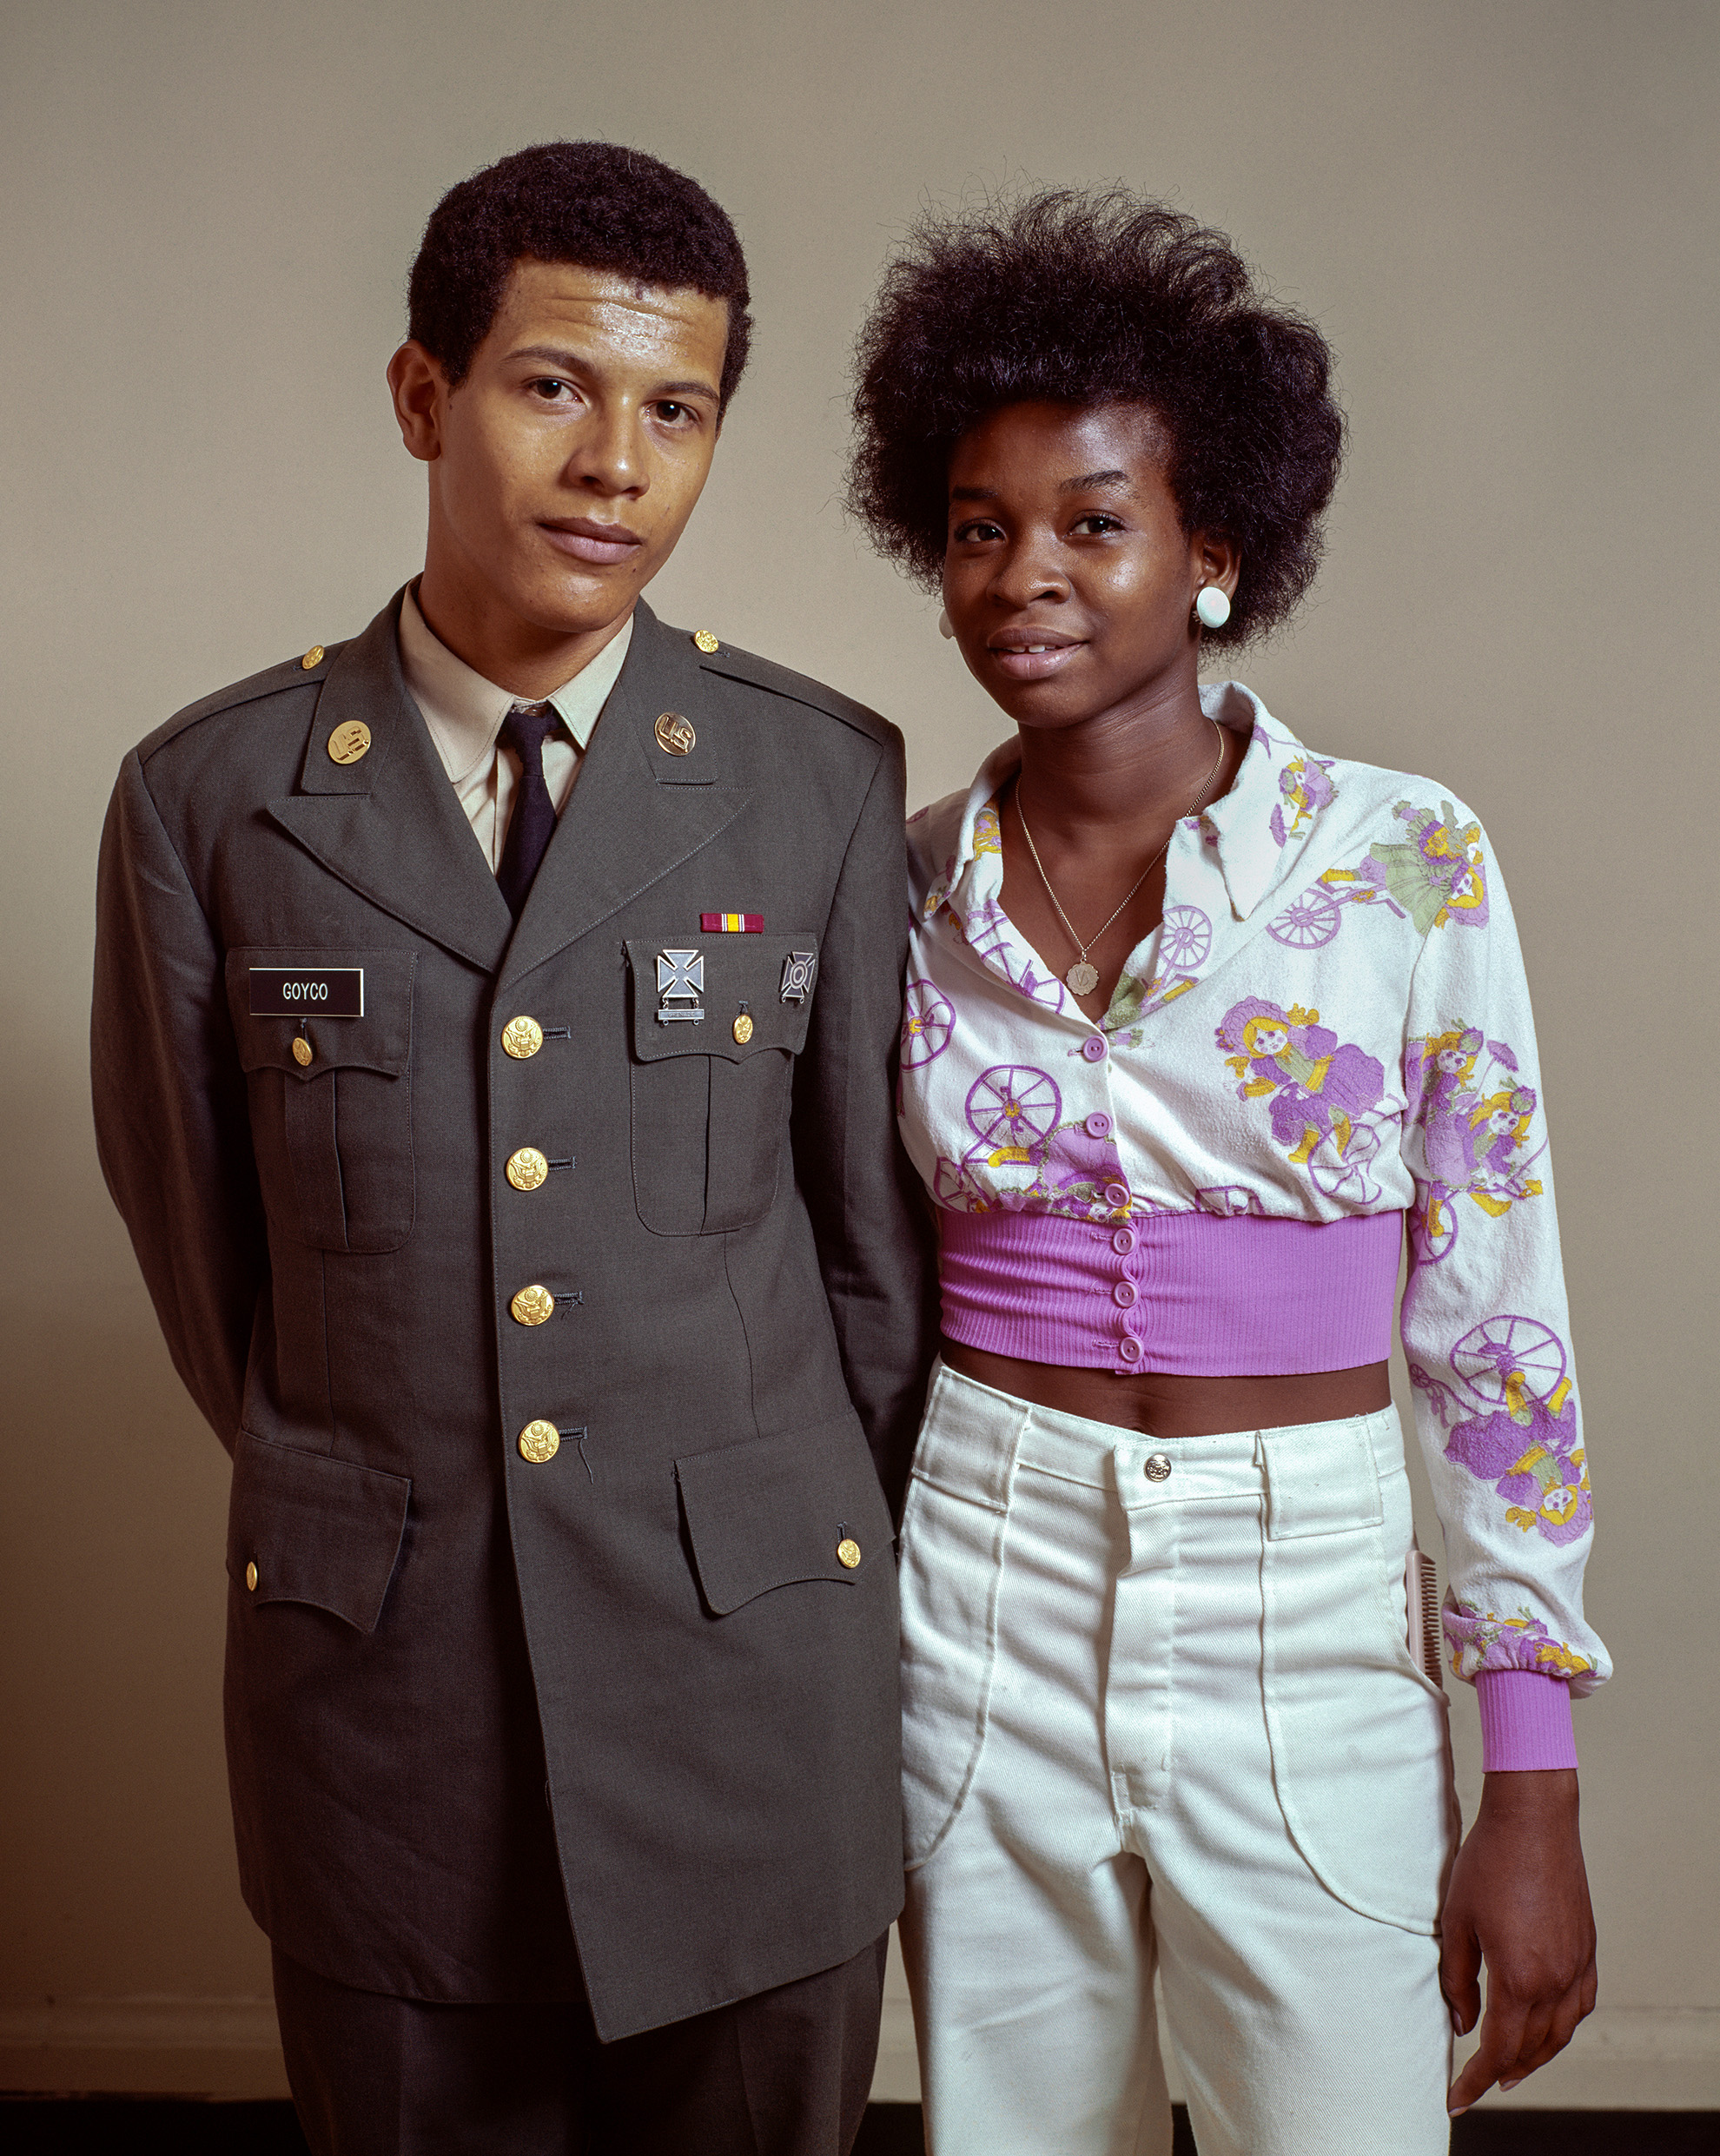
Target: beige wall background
1502,215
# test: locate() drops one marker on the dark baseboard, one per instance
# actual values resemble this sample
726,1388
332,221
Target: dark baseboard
894,2130
119,2125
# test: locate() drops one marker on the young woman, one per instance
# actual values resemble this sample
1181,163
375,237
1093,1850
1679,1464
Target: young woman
1199,1020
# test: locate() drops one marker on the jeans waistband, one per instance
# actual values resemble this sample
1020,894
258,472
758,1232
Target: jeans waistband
1317,1475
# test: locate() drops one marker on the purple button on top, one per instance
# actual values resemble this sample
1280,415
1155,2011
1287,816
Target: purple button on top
1094,1048
1128,1348
1116,1194
1124,1294
1099,1124
1123,1241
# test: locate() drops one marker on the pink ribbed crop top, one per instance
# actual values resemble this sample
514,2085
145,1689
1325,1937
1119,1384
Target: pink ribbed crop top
1188,1293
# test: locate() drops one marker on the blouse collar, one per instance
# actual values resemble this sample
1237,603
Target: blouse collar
1257,829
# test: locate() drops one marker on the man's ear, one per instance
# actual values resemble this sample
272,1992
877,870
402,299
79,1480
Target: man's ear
421,392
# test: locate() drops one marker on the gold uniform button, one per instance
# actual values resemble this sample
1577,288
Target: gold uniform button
522,1038
312,657
534,1306
349,743
674,736
848,1554
302,1051
251,1575
527,1168
539,1441
743,1030
705,641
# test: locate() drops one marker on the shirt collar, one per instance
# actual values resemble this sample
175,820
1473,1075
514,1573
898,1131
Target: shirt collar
464,711
1256,830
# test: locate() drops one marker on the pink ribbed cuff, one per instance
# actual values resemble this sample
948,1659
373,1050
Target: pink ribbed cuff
1525,1722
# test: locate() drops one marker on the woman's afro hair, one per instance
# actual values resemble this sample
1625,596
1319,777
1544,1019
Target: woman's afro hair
594,203
1093,298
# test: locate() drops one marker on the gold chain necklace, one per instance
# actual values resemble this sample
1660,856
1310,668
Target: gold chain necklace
1082,977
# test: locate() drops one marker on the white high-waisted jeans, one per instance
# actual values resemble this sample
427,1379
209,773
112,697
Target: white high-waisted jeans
1169,1719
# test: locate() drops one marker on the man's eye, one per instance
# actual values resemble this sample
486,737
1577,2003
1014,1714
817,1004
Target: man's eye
966,535
1099,522
549,387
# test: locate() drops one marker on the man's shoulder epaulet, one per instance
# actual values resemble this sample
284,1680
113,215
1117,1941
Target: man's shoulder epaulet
306,671
717,658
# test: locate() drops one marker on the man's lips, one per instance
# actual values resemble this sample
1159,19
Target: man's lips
1031,654
587,539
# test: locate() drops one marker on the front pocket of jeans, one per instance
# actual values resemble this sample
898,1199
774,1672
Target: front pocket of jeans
952,1566
1361,1746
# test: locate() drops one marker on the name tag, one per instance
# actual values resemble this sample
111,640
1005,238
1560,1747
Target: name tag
307,991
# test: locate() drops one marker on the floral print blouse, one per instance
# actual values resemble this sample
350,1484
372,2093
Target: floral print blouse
1331,1020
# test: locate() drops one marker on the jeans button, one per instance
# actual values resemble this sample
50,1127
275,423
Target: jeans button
1157,1468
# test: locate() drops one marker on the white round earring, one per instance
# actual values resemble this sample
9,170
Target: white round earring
945,626
1212,605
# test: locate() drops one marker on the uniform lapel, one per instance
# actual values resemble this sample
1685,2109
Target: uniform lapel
390,824
637,811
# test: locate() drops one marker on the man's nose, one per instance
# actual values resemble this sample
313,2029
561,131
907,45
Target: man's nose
610,454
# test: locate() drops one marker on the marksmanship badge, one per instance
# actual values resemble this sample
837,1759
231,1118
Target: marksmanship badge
680,982
797,976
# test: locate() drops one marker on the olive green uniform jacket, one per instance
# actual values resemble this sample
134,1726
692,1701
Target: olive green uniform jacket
470,1692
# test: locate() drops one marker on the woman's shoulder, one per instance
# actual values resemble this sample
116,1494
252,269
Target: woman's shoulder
934,840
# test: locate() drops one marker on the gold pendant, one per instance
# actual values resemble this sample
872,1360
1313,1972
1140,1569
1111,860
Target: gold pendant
1081,977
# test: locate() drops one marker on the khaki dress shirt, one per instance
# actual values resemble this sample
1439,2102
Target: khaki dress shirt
464,713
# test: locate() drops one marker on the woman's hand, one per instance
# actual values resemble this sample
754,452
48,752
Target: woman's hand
1518,1898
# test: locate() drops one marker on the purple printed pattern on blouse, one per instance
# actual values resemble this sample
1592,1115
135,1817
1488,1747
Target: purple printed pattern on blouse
1026,1159
1479,1640
1324,1094
928,1020
1440,876
1515,1423
1306,789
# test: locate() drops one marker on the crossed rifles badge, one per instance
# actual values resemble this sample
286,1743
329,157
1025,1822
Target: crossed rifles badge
680,983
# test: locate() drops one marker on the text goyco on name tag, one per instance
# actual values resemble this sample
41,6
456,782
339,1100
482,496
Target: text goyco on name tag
307,991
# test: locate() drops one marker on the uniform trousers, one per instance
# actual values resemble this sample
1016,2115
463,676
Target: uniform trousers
1162,1715
784,2073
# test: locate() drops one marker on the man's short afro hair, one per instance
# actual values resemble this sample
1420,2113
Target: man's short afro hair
1092,298
594,203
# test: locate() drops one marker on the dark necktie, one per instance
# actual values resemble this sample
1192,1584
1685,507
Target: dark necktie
531,825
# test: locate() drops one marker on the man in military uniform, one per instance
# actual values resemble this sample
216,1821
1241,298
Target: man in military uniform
493,1030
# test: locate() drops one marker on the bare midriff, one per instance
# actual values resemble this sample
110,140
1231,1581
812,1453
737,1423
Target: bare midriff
1159,1404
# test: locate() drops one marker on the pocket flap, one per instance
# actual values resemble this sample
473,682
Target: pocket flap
378,1037
778,1509
726,973
318,1530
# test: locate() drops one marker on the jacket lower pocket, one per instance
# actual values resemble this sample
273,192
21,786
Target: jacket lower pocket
305,1527
797,1505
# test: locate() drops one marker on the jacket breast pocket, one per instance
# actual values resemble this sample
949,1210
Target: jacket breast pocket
717,1024
325,1038
304,1527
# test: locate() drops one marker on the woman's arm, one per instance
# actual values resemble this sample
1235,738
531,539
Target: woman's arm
1519,1899
1486,1334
